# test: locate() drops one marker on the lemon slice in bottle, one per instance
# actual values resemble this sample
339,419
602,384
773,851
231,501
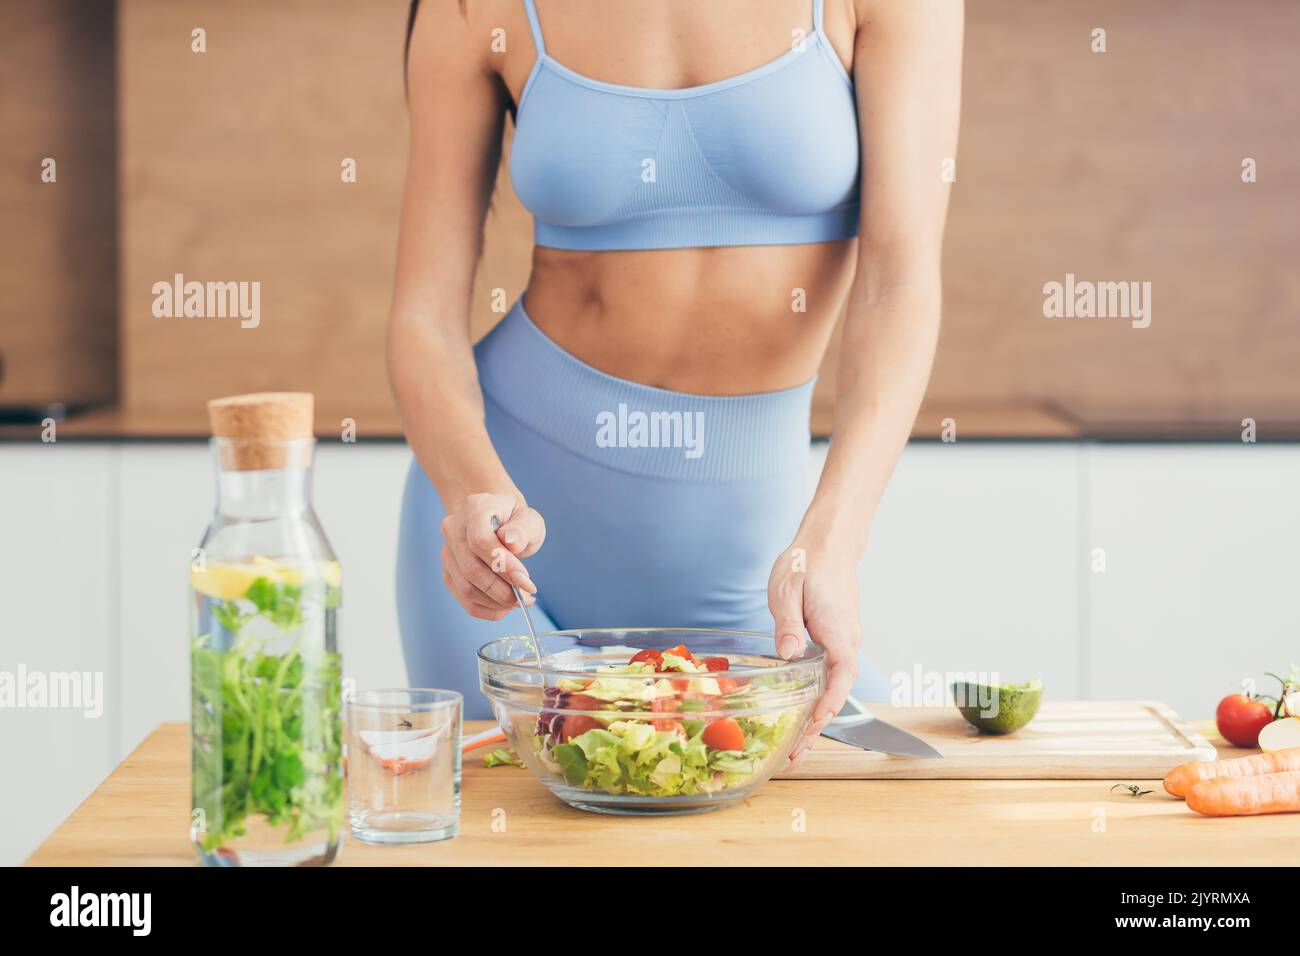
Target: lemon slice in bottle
229,581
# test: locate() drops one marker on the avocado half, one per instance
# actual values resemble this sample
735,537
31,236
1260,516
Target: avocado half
998,709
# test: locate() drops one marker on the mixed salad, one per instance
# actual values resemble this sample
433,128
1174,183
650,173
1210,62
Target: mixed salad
629,729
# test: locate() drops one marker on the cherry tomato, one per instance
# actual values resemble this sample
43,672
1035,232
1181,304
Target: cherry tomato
725,684
724,734
681,651
582,702
665,705
650,657
1240,719
575,725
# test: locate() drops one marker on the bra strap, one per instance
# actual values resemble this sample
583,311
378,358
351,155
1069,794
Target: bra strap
817,17
531,7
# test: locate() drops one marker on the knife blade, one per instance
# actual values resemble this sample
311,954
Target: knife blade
858,727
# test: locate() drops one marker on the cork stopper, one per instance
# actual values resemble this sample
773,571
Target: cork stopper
263,430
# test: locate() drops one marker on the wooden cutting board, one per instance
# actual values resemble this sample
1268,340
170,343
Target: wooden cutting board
1068,740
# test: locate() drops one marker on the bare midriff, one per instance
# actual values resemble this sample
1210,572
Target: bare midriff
712,321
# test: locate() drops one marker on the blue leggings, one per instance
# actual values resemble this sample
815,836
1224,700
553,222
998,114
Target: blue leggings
662,509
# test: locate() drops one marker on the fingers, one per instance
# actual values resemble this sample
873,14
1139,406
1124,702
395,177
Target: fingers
483,518
474,581
478,568
799,753
523,532
839,682
467,595
840,675
785,601
465,566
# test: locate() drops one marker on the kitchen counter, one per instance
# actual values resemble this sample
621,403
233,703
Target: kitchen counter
976,421
191,422
973,421
139,815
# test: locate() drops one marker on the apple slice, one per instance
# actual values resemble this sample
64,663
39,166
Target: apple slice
374,738
1280,735
406,756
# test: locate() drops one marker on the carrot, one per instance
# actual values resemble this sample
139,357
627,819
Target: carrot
495,738
1246,796
1182,778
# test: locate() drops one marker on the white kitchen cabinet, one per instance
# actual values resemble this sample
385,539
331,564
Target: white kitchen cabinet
359,499
164,503
972,565
1200,582
58,587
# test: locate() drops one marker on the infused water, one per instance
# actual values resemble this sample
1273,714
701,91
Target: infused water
266,711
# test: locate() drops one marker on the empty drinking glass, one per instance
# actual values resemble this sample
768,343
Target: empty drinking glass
403,765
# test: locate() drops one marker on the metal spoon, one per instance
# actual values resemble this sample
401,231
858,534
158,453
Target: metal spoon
532,634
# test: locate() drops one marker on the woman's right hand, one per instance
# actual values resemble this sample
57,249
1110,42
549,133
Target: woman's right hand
480,555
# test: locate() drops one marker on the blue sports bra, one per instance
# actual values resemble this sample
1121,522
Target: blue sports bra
768,157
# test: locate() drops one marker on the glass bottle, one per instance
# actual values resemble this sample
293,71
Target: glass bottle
266,700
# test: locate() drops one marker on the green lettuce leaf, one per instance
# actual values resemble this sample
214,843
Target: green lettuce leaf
502,758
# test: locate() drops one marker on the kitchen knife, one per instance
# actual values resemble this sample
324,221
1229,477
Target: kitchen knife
856,726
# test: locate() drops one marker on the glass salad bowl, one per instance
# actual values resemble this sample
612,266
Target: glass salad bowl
650,720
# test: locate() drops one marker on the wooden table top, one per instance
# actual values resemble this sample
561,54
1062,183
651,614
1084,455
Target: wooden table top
140,815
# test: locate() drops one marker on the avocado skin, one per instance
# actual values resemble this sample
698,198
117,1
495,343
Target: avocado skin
1017,705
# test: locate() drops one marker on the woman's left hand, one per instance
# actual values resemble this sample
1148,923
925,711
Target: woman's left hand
817,587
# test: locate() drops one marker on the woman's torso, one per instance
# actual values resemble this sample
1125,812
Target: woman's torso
713,320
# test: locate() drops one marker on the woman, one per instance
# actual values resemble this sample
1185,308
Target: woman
708,183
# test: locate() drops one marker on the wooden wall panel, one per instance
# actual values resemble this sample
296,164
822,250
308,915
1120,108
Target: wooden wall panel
1115,166
232,172
57,239
1127,166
